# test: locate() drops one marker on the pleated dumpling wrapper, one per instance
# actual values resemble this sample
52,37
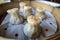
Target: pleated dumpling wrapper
40,12
27,11
21,5
32,29
34,20
14,16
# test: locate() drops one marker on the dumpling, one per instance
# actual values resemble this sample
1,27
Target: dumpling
32,28
32,31
34,20
14,16
22,4
40,12
21,10
27,11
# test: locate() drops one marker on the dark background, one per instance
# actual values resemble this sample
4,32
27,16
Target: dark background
58,1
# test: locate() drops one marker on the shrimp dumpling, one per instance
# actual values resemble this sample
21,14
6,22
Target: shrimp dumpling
32,28
32,31
21,5
14,16
40,12
27,11
34,20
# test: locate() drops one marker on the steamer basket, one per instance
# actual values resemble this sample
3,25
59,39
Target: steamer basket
53,10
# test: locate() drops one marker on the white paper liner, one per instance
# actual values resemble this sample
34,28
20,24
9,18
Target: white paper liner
49,23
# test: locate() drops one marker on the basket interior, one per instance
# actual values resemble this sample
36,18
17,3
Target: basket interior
53,10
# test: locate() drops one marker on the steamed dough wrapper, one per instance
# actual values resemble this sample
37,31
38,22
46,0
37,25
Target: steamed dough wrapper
40,12
21,10
32,31
34,20
32,28
22,4
14,16
27,11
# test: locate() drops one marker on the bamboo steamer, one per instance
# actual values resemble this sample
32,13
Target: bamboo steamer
53,10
